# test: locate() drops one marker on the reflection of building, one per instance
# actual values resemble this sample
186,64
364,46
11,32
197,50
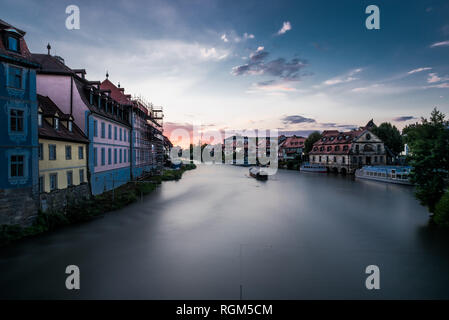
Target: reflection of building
62,156
18,123
291,148
345,151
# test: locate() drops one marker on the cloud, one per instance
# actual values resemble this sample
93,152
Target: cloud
295,119
333,125
270,86
403,118
444,85
343,79
440,44
419,70
433,78
286,70
286,26
213,54
248,36
224,38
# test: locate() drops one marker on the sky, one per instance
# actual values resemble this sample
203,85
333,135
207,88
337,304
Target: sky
295,66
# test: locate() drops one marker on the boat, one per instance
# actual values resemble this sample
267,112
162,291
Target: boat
258,173
313,167
389,174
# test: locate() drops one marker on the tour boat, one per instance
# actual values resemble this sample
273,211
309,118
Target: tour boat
390,174
313,167
258,173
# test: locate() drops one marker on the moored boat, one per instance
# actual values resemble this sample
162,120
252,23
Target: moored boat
313,167
257,173
389,174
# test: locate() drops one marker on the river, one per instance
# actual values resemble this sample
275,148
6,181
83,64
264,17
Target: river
295,236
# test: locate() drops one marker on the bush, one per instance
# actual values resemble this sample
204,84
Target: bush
441,216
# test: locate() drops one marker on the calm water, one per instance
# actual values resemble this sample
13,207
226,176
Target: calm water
296,236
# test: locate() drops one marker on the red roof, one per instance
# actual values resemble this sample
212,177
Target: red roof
293,142
335,142
116,93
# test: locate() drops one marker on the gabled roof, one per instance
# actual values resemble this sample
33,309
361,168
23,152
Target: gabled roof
116,93
50,109
293,142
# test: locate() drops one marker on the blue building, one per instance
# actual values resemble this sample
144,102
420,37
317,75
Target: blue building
18,128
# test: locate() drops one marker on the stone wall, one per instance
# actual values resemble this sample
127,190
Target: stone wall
58,200
18,206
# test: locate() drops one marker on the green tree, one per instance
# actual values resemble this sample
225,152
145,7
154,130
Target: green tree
311,139
429,149
390,135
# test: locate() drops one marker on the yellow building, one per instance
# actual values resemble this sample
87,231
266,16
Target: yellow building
62,149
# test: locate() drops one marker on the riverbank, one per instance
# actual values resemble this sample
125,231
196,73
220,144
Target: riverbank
96,207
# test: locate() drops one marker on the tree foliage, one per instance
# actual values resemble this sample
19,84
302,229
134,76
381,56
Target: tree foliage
429,149
390,135
311,139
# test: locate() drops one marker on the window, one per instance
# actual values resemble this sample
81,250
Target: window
357,148
103,157
115,133
69,178
343,160
103,130
51,152
13,43
53,181
329,148
70,126
41,184
81,176
95,128
375,159
120,155
335,159
39,119
56,123
40,151
16,120
379,148
368,136
109,131
68,152
95,157
120,134
115,156
15,77
80,153
345,148
17,164
124,135
337,148
109,156
124,155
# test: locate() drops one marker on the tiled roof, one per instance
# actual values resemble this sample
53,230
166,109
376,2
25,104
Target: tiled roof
116,93
335,142
293,142
24,55
49,108
49,63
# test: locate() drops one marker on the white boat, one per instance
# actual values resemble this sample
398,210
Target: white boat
313,167
389,174
258,173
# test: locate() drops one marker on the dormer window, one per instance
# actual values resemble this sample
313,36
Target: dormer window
56,123
70,126
13,43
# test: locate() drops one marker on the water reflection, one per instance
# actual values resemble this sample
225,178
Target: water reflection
301,236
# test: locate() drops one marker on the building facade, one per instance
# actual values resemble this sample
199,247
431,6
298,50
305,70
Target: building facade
104,120
62,157
18,127
291,148
346,151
